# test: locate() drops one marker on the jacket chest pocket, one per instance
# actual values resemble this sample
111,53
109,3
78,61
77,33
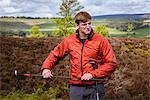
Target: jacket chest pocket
91,51
75,51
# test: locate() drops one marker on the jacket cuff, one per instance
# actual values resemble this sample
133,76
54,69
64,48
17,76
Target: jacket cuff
43,69
91,72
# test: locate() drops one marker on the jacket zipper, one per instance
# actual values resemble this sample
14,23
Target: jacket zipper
81,58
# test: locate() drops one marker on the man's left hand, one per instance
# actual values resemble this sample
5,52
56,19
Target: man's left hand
87,76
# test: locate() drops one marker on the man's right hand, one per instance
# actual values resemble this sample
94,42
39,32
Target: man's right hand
46,73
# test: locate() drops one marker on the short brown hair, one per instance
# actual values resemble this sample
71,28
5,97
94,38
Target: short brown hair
82,16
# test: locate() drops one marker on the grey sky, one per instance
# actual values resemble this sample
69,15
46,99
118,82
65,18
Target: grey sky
49,8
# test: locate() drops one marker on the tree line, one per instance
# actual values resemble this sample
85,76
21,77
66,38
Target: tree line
25,17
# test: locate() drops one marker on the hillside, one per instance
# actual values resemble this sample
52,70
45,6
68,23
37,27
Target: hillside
14,26
123,16
129,82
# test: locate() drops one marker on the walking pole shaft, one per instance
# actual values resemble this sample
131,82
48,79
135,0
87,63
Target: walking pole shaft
65,77
93,63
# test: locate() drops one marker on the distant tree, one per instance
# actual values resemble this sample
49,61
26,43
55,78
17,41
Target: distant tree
67,9
101,29
64,26
35,32
22,34
130,27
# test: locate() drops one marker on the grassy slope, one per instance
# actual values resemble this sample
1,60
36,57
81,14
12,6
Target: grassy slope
27,21
139,33
144,32
116,33
46,26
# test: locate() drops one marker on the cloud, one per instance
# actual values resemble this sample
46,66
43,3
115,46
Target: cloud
4,3
49,8
41,8
116,6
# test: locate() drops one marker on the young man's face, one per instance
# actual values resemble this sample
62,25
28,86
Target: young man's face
85,28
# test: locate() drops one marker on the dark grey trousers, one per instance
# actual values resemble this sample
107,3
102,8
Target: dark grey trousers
86,92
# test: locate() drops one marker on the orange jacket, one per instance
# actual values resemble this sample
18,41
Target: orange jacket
95,47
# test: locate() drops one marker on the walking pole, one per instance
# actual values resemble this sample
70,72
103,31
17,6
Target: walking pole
92,62
39,75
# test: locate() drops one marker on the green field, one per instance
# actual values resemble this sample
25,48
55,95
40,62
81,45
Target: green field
145,32
139,33
46,26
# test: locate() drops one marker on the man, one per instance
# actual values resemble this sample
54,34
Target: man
86,49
